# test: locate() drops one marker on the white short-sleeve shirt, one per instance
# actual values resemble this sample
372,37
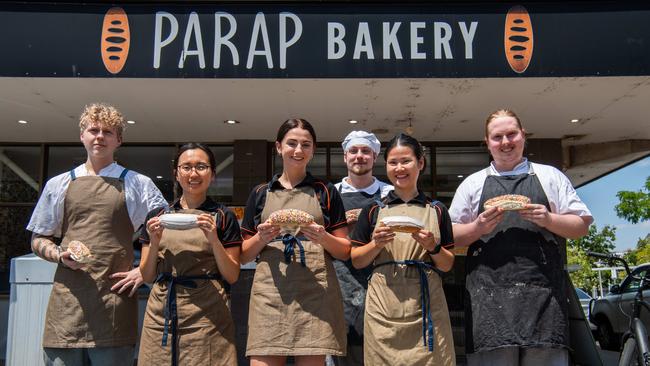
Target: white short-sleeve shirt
562,197
344,187
141,193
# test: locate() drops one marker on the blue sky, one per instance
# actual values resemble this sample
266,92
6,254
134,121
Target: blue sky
600,197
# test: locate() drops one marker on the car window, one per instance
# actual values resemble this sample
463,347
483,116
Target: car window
633,284
582,295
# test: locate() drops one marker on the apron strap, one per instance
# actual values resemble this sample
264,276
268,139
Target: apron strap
290,243
428,333
171,313
123,175
73,176
380,203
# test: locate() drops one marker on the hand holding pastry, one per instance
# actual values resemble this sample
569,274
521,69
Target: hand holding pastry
537,214
488,220
426,239
267,232
383,235
314,232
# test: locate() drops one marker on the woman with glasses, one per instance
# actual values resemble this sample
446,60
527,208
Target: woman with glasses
187,320
295,307
406,319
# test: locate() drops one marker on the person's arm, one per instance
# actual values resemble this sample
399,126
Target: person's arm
366,240
253,244
45,248
466,234
133,279
256,235
364,255
568,226
227,258
336,243
150,247
333,236
570,218
444,260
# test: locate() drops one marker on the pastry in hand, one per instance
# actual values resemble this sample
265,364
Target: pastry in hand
79,252
290,220
352,216
403,224
507,202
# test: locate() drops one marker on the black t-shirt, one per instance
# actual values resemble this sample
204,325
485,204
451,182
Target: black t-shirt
227,225
362,233
329,198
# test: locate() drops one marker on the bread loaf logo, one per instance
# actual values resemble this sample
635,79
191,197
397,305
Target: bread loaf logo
116,38
518,38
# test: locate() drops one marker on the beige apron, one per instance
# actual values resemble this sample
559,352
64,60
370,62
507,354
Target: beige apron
393,325
295,309
206,332
82,311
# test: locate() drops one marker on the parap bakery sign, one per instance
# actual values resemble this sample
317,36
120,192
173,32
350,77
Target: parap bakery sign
327,40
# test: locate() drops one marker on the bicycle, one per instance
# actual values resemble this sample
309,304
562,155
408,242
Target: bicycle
636,350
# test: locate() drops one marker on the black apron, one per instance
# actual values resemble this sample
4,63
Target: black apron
354,282
515,281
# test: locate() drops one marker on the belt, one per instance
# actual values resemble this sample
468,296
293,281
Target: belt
427,320
290,242
170,312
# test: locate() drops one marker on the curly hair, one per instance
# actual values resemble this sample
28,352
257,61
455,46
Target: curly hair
102,114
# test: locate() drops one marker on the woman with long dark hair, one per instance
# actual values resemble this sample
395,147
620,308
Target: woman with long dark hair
295,306
406,318
187,320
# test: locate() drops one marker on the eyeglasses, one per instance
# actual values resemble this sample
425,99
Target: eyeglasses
187,169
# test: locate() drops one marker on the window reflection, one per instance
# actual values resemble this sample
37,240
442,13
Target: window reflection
19,173
454,164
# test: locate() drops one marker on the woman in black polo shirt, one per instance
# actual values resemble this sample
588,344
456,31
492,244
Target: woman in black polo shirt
295,307
187,320
406,319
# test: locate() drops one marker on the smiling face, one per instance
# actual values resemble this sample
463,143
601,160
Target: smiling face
100,141
359,159
403,168
194,173
505,140
296,148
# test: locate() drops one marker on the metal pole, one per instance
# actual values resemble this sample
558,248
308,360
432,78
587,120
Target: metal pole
600,284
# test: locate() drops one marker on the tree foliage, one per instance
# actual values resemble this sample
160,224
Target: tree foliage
596,241
642,252
634,206
581,274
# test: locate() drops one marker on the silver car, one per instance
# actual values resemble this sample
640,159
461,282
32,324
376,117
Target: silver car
612,312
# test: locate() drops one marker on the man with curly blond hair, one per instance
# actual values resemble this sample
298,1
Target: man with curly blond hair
99,204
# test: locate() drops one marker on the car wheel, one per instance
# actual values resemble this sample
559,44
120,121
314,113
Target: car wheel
606,336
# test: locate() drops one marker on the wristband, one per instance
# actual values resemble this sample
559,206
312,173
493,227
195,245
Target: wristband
435,250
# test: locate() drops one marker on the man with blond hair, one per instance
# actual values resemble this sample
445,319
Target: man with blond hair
98,204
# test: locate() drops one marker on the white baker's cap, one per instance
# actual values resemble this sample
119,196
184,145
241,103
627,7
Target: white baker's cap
355,138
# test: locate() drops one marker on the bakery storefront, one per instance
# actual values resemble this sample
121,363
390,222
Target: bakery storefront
229,74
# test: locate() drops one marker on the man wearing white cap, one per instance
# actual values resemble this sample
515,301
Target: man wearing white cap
358,189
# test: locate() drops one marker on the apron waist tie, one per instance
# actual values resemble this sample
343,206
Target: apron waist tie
290,242
170,312
428,333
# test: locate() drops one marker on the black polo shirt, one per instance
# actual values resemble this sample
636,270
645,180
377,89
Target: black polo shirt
328,196
227,225
362,233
